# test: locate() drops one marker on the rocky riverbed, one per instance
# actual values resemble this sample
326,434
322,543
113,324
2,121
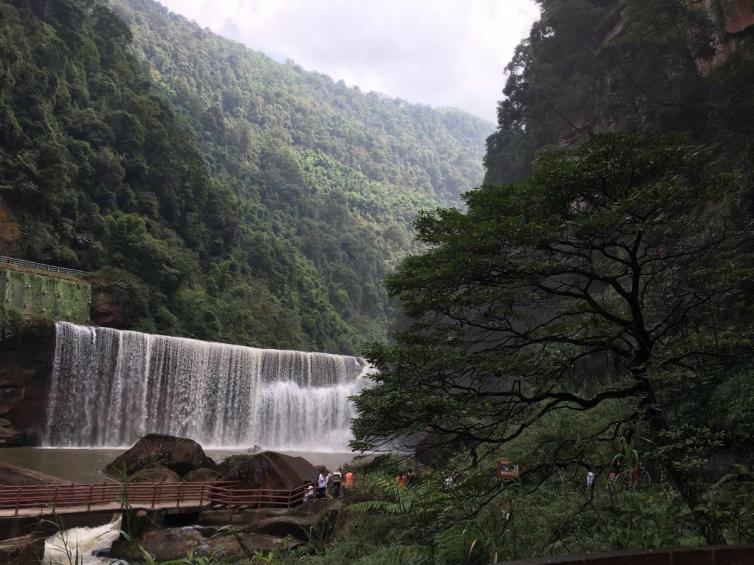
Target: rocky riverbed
232,533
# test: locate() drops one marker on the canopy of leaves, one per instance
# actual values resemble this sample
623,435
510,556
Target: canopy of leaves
603,277
240,199
635,65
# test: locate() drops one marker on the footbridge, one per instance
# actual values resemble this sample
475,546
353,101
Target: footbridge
51,500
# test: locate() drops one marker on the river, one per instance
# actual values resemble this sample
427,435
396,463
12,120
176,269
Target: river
85,465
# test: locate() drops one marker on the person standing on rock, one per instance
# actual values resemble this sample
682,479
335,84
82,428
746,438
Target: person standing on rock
321,485
337,478
348,484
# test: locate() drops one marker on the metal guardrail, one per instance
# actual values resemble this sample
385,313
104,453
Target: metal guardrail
40,266
77,498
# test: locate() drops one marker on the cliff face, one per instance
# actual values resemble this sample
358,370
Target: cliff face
659,66
9,230
734,16
25,369
37,295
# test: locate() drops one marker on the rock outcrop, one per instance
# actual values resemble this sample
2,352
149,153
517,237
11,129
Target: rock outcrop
179,455
268,470
12,475
204,475
300,524
22,550
155,474
25,368
170,544
229,547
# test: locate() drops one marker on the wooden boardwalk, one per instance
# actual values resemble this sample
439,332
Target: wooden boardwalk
48,500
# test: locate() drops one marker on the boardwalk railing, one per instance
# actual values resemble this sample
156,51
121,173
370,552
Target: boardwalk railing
24,264
79,498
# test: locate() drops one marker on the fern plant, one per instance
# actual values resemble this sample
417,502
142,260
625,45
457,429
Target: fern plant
399,500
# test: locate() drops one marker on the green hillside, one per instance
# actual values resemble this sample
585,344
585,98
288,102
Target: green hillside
230,197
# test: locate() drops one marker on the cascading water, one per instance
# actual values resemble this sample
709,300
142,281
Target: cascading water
109,387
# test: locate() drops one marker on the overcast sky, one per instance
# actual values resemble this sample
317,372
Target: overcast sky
438,52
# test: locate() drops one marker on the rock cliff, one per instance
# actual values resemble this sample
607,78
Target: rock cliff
25,368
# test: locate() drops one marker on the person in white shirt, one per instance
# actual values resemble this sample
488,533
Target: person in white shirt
321,485
590,476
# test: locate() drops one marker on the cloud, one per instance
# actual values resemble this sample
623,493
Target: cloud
438,52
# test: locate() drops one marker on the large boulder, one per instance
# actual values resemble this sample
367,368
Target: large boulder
287,526
25,367
228,547
12,475
23,550
300,525
170,544
155,474
203,475
178,454
268,470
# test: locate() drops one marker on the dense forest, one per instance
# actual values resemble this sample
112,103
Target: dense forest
214,192
652,66
577,374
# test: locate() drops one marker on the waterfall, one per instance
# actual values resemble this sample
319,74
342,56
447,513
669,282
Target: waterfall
109,387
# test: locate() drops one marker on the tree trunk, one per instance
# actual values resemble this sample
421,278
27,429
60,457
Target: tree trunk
711,531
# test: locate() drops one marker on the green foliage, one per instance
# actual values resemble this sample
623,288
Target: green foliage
245,200
11,322
581,319
330,178
44,297
636,65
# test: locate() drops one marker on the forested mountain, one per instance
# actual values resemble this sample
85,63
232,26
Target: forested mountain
655,66
224,195
582,330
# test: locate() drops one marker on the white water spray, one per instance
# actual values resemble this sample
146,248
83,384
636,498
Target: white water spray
79,545
109,387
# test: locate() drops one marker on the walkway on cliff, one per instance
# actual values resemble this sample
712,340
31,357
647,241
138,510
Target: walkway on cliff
48,500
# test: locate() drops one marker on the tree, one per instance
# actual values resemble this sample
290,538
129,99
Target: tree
614,273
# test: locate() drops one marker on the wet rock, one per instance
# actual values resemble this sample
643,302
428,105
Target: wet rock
172,543
281,526
229,547
300,524
268,470
178,454
12,475
137,522
155,474
9,435
203,475
23,550
25,367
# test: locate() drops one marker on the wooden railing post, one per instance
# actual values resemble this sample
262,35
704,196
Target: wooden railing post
155,490
201,495
18,499
91,494
178,503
